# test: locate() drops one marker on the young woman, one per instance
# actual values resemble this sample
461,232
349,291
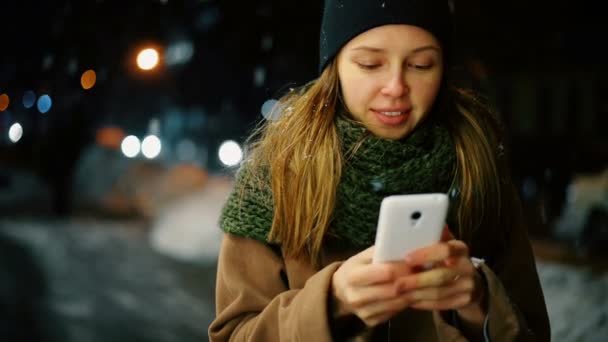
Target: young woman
381,119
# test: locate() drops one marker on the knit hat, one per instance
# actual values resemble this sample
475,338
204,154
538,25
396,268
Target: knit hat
345,19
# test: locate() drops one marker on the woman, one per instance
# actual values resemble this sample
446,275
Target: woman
381,119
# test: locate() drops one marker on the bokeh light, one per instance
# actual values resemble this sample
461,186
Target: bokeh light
110,137
44,103
180,52
147,59
88,79
4,102
151,146
29,99
130,146
230,153
259,76
271,110
15,132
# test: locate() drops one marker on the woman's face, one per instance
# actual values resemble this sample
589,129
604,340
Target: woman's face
390,77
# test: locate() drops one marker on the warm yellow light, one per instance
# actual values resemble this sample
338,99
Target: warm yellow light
4,101
88,79
147,59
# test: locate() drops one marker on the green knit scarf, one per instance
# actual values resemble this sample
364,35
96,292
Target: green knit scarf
422,162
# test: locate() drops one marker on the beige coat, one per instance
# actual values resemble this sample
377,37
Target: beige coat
261,295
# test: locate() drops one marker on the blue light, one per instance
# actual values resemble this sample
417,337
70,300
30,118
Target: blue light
44,104
29,98
179,53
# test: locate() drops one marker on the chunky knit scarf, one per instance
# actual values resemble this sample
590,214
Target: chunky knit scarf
422,162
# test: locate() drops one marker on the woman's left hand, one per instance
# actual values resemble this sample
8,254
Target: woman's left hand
453,283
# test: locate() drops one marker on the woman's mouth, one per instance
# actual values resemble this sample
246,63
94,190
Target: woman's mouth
392,117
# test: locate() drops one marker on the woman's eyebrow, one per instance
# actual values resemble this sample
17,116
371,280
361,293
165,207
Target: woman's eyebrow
368,48
379,50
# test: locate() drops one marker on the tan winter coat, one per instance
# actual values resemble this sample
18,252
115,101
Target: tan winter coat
261,295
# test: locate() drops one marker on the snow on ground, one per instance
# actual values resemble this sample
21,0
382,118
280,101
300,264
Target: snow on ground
577,302
188,228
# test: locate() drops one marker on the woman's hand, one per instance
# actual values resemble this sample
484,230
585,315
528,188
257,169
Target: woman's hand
370,291
376,292
453,283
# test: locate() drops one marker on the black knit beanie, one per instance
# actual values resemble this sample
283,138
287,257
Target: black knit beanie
345,19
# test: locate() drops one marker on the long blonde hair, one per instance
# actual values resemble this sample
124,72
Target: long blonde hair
302,151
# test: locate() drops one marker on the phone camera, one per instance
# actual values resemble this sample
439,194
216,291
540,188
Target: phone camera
416,215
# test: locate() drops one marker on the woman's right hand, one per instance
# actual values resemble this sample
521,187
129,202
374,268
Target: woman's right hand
370,291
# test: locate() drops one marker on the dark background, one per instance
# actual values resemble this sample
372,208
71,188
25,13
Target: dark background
541,63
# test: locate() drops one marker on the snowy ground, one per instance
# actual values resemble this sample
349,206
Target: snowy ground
106,280
105,283
577,301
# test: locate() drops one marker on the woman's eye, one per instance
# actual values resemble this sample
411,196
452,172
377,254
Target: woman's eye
420,66
368,66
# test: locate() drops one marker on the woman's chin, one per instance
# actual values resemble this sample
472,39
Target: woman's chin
392,133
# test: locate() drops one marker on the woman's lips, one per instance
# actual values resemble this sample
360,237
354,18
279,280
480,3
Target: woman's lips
392,117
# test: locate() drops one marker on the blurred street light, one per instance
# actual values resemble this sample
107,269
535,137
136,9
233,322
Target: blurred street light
130,146
4,102
88,79
147,59
44,103
29,99
151,146
15,132
230,153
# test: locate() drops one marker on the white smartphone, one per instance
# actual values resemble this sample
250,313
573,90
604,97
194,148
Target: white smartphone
408,222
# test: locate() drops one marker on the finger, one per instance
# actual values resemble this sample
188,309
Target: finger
461,253
437,253
446,234
441,293
361,296
400,268
394,305
370,274
452,303
436,277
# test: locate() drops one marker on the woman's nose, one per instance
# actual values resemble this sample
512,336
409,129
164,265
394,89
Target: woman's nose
396,86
